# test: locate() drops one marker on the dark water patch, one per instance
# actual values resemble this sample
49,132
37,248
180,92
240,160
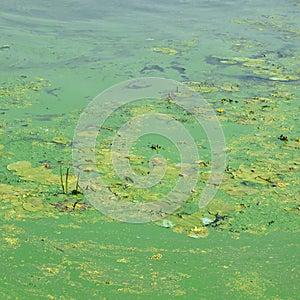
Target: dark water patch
46,117
5,47
52,91
152,68
181,70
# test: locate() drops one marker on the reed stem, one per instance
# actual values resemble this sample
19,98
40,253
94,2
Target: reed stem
67,183
61,178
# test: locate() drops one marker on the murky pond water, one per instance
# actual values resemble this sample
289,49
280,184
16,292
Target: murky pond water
242,57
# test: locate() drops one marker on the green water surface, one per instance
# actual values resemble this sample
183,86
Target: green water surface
243,57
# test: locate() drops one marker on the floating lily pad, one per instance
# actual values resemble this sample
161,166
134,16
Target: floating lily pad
33,204
38,174
222,208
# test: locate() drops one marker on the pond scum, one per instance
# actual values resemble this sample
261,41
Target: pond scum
259,193
259,182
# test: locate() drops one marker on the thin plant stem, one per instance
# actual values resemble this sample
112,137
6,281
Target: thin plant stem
61,178
67,181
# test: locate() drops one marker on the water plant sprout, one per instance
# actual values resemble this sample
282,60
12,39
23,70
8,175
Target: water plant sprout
65,183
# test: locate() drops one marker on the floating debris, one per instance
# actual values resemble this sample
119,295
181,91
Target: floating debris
61,140
165,50
198,232
207,221
71,205
283,137
156,256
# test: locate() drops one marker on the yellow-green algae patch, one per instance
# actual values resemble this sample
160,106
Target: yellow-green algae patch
11,193
190,225
274,69
202,87
33,203
61,140
165,50
38,174
16,201
20,92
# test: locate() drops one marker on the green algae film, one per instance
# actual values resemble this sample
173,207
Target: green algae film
243,245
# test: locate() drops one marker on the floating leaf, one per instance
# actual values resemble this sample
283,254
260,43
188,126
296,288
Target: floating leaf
38,174
222,208
33,204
